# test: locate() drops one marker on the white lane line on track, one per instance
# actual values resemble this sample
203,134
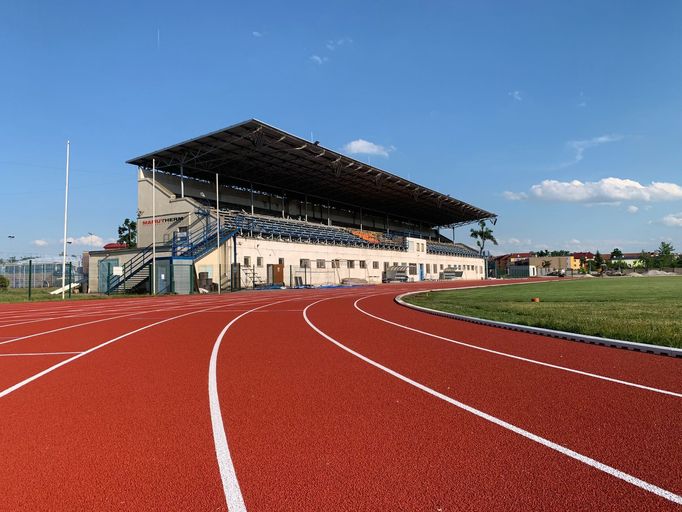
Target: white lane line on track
39,354
663,493
101,345
28,336
228,475
519,358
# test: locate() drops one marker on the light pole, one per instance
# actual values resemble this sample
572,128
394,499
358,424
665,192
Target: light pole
66,210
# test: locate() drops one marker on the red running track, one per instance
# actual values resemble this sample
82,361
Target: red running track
323,400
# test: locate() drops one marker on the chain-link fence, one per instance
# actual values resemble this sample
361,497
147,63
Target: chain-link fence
39,274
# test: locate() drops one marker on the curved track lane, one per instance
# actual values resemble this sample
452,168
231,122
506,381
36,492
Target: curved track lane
311,399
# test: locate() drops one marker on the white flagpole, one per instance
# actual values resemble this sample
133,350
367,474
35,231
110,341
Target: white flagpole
154,226
66,209
217,226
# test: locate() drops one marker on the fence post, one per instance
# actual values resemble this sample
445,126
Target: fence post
70,277
30,275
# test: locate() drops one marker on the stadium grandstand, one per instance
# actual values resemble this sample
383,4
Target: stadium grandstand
252,205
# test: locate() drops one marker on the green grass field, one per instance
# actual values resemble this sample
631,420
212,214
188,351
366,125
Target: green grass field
43,294
646,309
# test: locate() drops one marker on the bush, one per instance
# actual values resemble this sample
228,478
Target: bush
4,283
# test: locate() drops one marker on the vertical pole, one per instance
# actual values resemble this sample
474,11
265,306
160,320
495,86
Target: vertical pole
360,219
66,209
70,277
306,208
182,182
453,234
217,227
153,272
30,275
251,198
329,213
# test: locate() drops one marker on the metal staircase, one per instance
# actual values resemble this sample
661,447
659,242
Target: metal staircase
252,277
137,271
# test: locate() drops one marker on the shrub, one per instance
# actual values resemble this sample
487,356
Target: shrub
4,283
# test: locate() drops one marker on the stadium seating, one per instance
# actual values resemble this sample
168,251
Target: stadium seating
450,249
301,231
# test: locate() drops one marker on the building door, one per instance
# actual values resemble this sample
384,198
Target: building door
421,272
104,270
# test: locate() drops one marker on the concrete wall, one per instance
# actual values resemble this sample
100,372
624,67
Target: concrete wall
333,263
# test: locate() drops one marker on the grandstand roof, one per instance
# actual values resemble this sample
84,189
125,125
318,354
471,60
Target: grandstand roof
274,161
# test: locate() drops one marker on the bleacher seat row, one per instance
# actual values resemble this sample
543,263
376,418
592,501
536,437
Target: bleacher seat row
298,230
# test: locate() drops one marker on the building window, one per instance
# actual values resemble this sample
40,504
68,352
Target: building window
395,263
336,264
247,261
304,263
375,265
320,264
351,263
413,269
363,264
385,265
281,261
259,261
428,268
441,266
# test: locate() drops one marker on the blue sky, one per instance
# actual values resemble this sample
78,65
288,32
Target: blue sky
564,118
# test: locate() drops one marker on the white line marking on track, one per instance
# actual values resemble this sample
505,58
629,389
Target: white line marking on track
663,493
39,354
519,358
101,345
19,338
228,475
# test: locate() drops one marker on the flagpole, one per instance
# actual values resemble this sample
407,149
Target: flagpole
154,226
66,210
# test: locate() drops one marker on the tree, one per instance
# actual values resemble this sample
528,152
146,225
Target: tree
127,233
664,255
4,283
482,235
598,259
616,254
644,259
546,264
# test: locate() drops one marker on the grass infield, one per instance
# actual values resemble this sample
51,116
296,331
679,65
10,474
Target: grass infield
645,309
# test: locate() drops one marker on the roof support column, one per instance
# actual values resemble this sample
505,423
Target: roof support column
217,227
251,198
182,181
329,213
306,207
284,198
360,219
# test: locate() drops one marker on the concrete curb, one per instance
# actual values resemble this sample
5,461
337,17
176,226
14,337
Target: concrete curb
570,336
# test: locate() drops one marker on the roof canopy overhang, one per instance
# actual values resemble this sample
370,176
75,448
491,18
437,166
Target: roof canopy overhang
255,154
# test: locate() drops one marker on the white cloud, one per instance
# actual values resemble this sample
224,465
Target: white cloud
319,60
364,147
607,190
516,95
673,219
333,44
633,209
255,33
580,146
40,243
87,241
583,101
515,196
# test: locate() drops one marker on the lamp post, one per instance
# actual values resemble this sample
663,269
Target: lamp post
66,210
